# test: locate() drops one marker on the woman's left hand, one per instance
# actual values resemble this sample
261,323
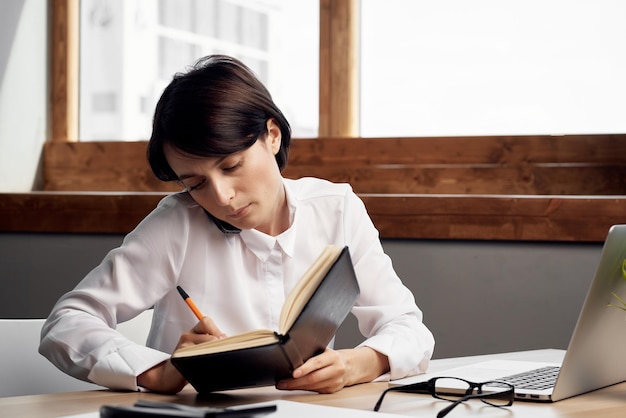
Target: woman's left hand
333,370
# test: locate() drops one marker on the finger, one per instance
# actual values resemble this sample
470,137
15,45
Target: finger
207,326
324,373
193,338
322,381
320,361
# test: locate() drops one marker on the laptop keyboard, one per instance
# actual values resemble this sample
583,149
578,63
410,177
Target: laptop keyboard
537,379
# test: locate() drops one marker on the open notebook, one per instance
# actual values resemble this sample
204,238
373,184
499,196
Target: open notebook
595,357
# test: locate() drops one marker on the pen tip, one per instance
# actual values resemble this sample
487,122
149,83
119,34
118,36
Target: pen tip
182,292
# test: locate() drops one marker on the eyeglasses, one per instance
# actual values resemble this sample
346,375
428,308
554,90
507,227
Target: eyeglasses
498,393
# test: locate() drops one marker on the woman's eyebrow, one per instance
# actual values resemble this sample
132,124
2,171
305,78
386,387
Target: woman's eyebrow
190,175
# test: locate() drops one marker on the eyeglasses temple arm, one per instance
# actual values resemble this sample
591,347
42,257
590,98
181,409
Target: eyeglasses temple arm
421,387
450,407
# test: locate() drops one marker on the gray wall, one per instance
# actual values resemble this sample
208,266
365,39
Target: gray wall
477,297
487,297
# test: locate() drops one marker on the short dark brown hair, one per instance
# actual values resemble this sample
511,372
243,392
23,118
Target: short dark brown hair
216,108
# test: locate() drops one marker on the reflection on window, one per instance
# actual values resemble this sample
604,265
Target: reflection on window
130,49
492,67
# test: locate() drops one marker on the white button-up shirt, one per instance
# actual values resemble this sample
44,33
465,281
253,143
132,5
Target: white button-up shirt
239,280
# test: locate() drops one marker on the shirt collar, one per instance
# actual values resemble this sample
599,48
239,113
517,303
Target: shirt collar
262,244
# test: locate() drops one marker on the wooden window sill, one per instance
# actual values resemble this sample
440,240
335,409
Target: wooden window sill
411,216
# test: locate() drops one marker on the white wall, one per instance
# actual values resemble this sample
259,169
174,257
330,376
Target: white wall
23,91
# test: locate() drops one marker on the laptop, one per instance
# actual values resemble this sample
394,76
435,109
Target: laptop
596,355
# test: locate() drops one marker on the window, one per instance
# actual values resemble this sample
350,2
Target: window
492,67
130,50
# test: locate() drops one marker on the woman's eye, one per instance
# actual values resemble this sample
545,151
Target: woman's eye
232,167
197,185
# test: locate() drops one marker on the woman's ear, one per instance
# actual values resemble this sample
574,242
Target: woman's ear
274,135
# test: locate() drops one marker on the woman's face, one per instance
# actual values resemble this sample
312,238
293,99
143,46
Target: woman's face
244,189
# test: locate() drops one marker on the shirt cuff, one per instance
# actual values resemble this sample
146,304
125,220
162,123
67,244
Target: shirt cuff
405,358
119,370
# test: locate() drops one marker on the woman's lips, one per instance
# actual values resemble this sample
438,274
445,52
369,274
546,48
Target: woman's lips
240,213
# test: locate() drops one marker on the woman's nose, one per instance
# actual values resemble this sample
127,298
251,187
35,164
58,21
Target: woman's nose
223,191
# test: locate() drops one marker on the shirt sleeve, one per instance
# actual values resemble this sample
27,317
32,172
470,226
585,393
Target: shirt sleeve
386,311
80,336
79,340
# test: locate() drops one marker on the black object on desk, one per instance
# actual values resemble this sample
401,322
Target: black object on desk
148,409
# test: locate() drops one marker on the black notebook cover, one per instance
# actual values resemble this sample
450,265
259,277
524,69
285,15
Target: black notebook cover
265,365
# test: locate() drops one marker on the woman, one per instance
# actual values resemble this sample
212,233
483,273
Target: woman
236,239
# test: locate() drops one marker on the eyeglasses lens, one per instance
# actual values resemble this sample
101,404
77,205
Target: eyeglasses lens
499,394
451,389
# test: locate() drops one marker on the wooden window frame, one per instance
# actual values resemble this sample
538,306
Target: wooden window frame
64,68
398,214
339,64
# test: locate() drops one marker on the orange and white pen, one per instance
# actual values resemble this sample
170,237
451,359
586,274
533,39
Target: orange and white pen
190,303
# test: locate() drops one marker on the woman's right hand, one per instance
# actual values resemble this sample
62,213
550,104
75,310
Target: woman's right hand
205,330
164,377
